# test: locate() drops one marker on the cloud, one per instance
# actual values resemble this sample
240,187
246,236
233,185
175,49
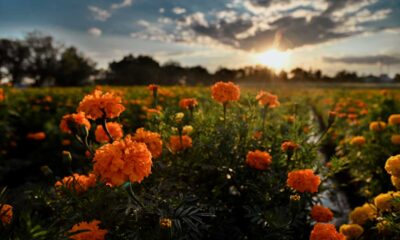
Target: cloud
95,32
124,3
178,10
365,60
99,13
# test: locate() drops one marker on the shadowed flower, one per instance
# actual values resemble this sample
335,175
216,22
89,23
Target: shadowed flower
303,181
90,231
258,160
101,105
394,119
357,141
360,215
78,183
325,231
267,99
151,139
177,144
321,214
395,182
115,130
121,161
74,120
289,146
165,223
225,92
6,213
351,231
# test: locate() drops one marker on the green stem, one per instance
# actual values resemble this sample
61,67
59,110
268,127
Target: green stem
104,125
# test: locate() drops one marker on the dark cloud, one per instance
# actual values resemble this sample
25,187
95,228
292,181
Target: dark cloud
365,60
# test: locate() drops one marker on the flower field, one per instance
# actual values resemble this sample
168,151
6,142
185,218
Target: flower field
219,162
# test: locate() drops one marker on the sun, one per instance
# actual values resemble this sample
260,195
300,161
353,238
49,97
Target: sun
273,58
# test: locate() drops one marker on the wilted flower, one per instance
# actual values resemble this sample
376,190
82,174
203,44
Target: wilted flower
6,213
151,139
351,231
325,231
115,130
303,180
267,99
225,92
121,161
75,120
321,214
101,105
258,159
78,183
88,231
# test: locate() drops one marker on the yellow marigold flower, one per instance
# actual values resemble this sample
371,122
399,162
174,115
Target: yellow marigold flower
78,183
394,119
325,231
101,105
177,144
114,128
186,130
165,223
267,99
258,160
38,136
395,182
90,231
179,116
188,103
377,126
225,92
321,214
6,213
392,165
384,201
395,139
151,139
303,180
361,215
73,120
383,226
358,141
121,161
351,231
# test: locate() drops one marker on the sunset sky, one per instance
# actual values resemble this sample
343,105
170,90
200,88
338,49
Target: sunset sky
357,35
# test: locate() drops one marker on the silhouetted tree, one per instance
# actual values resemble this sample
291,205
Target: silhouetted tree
14,59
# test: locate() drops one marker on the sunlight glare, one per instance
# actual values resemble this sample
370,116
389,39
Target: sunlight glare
274,58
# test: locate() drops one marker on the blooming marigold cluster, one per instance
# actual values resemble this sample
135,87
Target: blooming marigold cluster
90,231
384,201
377,126
38,136
73,120
351,231
6,213
321,214
151,139
101,105
115,130
303,180
394,119
360,215
325,231
121,161
289,146
358,141
78,183
267,99
258,160
188,103
392,165
177,143
225,92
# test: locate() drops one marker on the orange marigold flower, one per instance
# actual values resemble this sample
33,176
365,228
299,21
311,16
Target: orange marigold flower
394,119
187,103
267,99
362,214
377,126
325,231
303,180
351,231
321,214
224,92
74,120
151,139
395,139
257,135
90,231
177,144
289,146
258,160
392,165
2,95
357,140
36,136
121,161
6,213
76,182
395,182
100,105
153,87
115,130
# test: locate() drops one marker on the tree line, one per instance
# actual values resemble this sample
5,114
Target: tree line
45,62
